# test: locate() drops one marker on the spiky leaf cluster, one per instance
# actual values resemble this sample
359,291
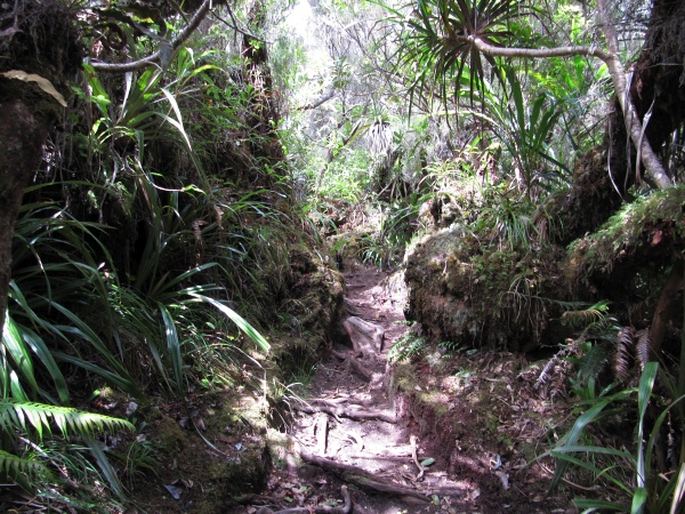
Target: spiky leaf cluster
438,41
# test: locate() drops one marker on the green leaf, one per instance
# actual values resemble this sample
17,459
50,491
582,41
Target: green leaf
679,492
14,466
643,395
110,474
236,318
13,341
639,501
428,462
173,346
597,505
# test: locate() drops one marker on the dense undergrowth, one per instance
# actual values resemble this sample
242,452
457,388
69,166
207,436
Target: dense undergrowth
158,224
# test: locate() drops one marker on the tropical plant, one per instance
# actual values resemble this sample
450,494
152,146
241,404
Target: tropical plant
37,420
644,491
436,43
524,129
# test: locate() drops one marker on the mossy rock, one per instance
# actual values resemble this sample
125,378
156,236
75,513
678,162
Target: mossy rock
310,313
650,229
169,436
481,295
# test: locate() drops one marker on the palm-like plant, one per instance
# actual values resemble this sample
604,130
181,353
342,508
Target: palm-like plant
525,130
439,41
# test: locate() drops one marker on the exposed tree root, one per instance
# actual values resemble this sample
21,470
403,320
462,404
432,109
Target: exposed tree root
355,365
415,457
345,508
366,337
361,477
365,479
322,433
348,411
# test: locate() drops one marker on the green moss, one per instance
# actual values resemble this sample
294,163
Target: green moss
657,220
169,436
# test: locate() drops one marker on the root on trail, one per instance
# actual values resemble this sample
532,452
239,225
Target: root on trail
356,366
322,433
361,477
348,411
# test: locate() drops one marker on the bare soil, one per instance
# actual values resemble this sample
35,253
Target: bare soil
444,433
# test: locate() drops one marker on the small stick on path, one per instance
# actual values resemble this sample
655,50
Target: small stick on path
322,433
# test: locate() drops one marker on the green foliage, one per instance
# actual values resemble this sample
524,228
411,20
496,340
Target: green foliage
398,224
407,347
607,464
654,220
436,42
39,420
524,128
15,466
124,276
37,417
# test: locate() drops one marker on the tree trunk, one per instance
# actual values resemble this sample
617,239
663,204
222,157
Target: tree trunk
22,136
658,85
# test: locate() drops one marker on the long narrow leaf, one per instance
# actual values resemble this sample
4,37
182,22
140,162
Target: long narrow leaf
173,346
13,341
239,321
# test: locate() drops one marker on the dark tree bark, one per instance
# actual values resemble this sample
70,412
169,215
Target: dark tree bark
35,38
658,85
22,136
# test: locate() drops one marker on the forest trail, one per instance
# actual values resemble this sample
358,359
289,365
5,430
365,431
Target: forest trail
350,429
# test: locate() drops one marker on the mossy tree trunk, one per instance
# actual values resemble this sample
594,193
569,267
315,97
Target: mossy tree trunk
35,38
22,136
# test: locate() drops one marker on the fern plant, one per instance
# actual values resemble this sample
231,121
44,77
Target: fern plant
407,347
39,419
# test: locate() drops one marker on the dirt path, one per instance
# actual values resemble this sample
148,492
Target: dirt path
348,430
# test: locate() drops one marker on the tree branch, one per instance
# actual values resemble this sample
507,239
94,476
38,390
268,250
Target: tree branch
653,167
158,56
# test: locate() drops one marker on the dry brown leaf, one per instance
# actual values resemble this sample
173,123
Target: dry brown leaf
41,82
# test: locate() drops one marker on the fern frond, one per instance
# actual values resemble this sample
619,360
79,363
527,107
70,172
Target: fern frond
13,465
582,317
643,343
623,354
37,417
592,363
